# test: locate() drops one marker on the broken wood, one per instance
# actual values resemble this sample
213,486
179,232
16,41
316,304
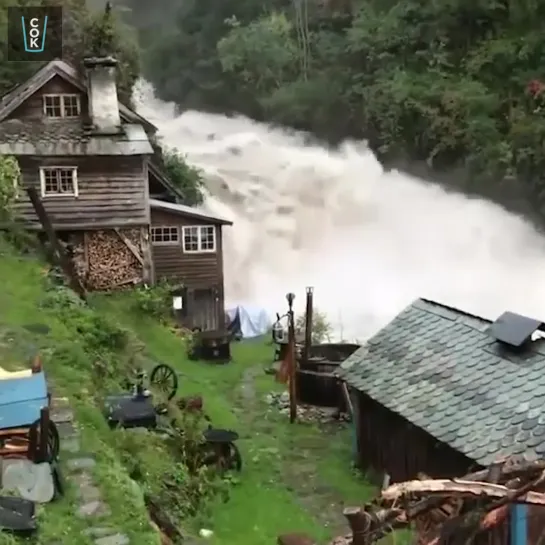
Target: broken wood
447,487
135,251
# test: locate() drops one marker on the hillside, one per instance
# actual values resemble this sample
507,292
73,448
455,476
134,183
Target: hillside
290,480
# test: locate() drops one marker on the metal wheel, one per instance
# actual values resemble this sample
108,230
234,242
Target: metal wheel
232,460
53,442
164,379
225,457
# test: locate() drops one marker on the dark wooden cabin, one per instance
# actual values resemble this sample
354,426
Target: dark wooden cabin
187,248
443,392
87,157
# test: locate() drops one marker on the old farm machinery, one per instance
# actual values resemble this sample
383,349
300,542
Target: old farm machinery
146,405
26,429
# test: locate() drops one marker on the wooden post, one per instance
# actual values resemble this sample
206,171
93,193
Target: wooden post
360,524
62,259
292,359
147,255
519,524
308,326
43,434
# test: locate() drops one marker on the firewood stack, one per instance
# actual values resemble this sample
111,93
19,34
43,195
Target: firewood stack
453,512
110,263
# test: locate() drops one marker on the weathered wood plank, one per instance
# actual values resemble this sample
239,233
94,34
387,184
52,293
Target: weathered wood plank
111,191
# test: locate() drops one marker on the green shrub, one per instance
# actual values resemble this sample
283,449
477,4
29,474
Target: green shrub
154,301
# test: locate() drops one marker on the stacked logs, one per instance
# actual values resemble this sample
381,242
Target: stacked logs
104,261
453,512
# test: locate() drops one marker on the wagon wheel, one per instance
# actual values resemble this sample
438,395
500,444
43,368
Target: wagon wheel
53,440
164,379
226,457
229,458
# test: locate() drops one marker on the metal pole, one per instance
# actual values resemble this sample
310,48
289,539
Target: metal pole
292,360
308,325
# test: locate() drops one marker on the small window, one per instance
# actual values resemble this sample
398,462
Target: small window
59,181
165,235
62,105
199,239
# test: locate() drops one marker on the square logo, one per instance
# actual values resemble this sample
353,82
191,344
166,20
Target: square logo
34,33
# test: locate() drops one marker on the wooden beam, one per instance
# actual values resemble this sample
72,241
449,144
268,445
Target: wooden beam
148,265
58,253
134,250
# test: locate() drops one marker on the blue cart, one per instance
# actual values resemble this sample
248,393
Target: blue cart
24,415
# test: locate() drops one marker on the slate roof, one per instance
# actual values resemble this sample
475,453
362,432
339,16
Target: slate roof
188,211
68,137
441,370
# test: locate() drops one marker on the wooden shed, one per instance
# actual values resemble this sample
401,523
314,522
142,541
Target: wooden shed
187,248
444,392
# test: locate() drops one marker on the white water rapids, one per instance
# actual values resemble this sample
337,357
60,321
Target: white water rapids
368,241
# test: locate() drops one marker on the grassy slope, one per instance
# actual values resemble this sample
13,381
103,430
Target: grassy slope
68,367
279,459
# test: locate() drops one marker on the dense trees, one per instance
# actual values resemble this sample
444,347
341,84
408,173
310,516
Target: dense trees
85,33
455,83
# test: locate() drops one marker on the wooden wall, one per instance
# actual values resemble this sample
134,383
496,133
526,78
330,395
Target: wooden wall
201,274
112,193
32,108
388,443
195,270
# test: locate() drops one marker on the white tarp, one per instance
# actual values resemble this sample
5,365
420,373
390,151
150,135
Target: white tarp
254,320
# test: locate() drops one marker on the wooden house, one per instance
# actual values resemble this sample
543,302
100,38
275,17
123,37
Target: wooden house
92,162
187,247
443,392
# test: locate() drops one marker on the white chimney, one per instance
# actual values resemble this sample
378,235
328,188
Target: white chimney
102,88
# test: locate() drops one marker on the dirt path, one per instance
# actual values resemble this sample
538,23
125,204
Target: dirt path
299,456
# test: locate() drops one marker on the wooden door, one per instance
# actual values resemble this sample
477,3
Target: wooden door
205,309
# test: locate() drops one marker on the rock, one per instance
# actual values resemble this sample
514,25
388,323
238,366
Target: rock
78,464
93,509
98,531
89,493
62,415
70,444
33,482
66,429
115,539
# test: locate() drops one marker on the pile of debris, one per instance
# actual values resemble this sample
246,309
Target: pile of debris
306,413
457,511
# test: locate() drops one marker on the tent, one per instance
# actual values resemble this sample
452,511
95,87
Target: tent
248,321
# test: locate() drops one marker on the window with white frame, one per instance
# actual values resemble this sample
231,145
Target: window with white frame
62,105
59,181
167,234
199,239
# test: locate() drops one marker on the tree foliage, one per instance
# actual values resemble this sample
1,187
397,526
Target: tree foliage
9,185
85,33
186,178
451,82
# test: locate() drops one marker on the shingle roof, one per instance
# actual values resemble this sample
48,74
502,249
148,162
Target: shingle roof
440,369
68,137
189,211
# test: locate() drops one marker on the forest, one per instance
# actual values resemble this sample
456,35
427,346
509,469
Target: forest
454,86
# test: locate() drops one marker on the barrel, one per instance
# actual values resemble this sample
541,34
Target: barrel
315,382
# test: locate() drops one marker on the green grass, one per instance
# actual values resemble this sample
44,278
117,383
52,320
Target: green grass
295,478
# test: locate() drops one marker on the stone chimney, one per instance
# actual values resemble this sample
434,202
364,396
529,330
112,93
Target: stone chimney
102,89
